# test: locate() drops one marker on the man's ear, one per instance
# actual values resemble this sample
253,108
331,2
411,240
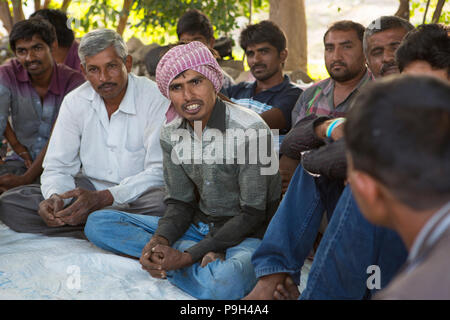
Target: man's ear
129,62
371,197
54,46
283,55
83,70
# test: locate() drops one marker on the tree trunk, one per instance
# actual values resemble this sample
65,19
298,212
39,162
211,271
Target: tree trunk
37,5
438,11
46,4
403,10
124,16
5,15
290,16
18,14
65,5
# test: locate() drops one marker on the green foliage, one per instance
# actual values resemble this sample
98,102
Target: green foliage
417,11
159,17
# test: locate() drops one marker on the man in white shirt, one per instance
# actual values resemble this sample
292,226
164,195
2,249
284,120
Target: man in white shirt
109,128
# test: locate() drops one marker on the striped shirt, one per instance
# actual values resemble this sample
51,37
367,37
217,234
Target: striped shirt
319,100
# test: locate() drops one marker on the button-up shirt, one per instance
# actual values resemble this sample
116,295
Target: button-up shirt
206,183
318,99
72,58
121,154
32,120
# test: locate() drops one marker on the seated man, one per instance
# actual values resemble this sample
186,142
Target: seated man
272,95
398,142
218,203
194,25
66,51
109,127
32,87
301,210
332,97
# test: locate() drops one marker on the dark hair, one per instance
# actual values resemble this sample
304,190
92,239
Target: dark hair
382,24
26,29
58,19
195,21
152,58
265,31
428,42
398,132
346,25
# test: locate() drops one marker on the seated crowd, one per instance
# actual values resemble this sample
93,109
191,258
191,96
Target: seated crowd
221,187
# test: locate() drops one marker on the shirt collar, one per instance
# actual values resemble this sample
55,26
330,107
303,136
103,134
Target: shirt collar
330,85
127,105
217,118
277,88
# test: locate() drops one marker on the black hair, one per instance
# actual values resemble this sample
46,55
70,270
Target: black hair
152,58
265,31
26,29
346,25
398,131
58,19
428,42
195,21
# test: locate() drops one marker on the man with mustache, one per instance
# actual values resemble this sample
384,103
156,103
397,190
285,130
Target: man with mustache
344,60
109,128
32,87
217,211
300,213
272,95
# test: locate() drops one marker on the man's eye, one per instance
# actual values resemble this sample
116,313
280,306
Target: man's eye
196,81
175,87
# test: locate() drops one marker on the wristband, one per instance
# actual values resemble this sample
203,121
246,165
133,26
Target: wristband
333,125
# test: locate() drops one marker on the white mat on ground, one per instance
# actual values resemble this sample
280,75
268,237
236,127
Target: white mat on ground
38,267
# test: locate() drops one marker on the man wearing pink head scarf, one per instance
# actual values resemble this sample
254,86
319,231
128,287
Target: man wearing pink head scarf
218,203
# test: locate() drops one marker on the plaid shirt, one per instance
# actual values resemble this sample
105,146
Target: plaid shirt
319,100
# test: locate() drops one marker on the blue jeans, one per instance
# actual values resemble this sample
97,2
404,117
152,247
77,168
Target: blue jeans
125,233
349,246
293,229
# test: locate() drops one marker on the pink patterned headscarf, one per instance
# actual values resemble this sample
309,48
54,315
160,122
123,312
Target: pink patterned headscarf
193,55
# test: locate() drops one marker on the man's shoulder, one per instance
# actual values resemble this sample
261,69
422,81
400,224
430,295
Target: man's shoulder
241,90
430,279
240,117
9,70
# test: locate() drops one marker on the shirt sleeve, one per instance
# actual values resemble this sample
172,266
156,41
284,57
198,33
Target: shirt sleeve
62,161
286,103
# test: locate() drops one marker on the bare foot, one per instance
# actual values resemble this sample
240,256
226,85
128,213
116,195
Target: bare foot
287,290
210,257
265,287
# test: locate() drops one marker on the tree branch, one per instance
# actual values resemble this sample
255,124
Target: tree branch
124,16
403,10
5,15
438,11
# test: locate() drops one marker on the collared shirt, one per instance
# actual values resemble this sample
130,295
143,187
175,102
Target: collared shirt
425,273
318,99
206,183
32,120
72,58
282,96
121,154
